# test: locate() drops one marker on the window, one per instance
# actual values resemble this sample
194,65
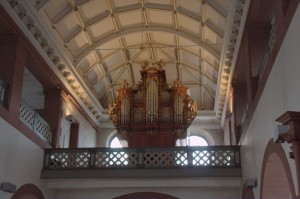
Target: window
196,140
115,143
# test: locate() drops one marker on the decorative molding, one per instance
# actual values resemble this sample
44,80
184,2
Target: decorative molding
235,22
54,57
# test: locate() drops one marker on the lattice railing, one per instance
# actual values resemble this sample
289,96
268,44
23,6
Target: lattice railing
35,122
270,45
2,92
101,158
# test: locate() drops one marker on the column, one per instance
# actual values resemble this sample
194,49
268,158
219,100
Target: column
53,113
74,131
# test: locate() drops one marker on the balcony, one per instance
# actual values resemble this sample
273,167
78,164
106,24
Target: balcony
211,161
35,122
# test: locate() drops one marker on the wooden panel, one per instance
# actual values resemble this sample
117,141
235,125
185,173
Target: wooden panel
145,139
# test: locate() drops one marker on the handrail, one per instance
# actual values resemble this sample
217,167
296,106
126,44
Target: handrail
108,158
35,122
2,91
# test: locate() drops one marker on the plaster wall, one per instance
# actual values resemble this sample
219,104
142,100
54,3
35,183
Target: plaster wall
20,160
103,135
182,193
281,94
87,134
213,136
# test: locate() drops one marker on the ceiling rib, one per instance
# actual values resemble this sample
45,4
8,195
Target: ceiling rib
175,16
127,8
97,18
190,73
151,28
209,96
118,76
189,14
214,28
61,15
126,59
179,45
178,58
217,7
112,15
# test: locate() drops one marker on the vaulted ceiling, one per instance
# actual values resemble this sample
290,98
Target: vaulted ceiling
96,44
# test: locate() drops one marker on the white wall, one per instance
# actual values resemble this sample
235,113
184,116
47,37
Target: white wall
103,135
182,193
20,160
281,94
87,134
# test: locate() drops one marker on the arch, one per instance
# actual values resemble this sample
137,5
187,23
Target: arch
196,140
276,177
145,195
27,191
151,28
247,193
204,134
112,136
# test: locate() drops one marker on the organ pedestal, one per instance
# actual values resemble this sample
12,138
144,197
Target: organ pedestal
151,114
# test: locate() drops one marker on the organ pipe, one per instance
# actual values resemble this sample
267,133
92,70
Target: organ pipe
173,100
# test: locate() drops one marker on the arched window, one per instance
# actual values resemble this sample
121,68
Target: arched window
115,143
196,140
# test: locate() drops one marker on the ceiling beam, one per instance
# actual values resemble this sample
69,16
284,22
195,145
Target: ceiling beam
62,14
217,7
112,15
127,8
190,73
214,28
167,55
151,28
189,14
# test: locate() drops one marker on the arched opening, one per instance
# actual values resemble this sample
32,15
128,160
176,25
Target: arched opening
145,195
28,191
115,143
196,140
276,177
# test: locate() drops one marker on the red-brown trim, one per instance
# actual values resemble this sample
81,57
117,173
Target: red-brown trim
30,189
272,148
41,70
260,12
145,195
247,193
74,131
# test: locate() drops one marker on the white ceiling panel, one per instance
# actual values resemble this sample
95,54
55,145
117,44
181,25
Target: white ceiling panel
97,30
109,39
133,18
160,17
93,9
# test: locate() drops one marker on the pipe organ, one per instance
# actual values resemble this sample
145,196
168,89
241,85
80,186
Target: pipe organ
151,114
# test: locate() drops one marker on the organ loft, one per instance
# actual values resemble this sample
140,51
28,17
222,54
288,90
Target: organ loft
152,114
